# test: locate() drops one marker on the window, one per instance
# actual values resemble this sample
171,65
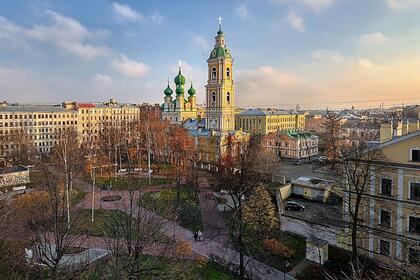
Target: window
384,247
415,191
228,73
213,73
213,99
228,97
415,155
385,219
414,225
386,186
414,256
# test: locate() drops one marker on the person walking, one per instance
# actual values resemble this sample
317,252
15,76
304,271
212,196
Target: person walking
199,235
195,235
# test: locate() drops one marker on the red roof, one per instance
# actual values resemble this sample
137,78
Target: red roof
85,105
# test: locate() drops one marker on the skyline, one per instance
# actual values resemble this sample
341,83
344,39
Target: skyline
286,52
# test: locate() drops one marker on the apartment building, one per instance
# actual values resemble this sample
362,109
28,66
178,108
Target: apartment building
265,121
391,207
294,145
42,124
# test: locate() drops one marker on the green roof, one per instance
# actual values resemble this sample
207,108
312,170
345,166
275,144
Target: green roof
192,90
168,91
220,52
179,90
179,79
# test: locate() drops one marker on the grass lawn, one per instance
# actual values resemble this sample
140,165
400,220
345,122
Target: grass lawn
163,268
98,227
76,196
213,271
187,208
124,183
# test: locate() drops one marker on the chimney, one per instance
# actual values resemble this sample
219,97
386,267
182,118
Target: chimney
386,131
413,126
404,129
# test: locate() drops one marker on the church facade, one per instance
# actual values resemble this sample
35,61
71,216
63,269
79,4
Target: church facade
177,110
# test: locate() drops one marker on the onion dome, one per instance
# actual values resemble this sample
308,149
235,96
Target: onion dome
168,91
179,79
192,90
179,90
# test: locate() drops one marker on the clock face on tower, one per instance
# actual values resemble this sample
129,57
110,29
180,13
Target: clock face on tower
213,53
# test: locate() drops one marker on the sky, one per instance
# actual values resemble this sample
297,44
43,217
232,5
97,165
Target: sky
315,53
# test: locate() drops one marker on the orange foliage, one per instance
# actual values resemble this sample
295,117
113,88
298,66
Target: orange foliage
278,248
183,249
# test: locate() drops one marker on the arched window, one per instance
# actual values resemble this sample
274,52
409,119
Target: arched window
228,73
213,73
228,97
213,99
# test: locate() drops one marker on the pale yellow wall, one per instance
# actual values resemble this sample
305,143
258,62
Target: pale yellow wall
400,153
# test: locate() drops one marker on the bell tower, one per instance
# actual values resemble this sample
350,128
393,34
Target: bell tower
220,90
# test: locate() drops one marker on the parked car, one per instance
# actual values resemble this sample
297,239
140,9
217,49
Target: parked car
299,162
322,158
294,206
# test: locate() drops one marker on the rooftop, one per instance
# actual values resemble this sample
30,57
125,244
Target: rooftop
13,169
266,112
33,108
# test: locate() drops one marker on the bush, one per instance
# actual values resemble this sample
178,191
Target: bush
278,248
190,215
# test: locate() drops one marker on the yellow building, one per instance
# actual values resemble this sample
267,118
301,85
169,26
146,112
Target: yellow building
262,122
390,232
42,124
220,89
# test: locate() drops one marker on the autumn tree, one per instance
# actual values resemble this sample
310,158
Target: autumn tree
260,213
243,167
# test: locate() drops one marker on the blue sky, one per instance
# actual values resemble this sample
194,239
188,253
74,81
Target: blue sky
314,52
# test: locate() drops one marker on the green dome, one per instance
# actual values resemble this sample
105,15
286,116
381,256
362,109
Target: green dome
179,90
168,91
192,90
220,52
179,79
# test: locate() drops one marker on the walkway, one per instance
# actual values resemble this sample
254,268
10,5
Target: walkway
214,225
208,248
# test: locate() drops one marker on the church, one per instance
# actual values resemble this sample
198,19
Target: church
220,104
220,92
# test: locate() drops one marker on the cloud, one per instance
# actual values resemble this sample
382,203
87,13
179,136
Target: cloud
242,11
273,84
327,55
130,67
402,4
102,79
316,5
373,39
65,33
156,17
296,22
200,42
123,12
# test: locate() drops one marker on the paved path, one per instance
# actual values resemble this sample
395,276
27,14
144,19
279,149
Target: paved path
214,224
208,248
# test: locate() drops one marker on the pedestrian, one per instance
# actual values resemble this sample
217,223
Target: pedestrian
199,235
195,235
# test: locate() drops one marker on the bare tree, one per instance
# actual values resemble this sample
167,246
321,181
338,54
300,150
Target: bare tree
357,166
331,137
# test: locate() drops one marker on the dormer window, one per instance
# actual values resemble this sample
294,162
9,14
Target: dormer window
213,73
